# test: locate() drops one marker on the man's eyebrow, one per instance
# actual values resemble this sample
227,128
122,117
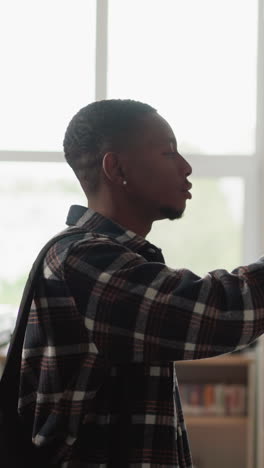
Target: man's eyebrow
171,141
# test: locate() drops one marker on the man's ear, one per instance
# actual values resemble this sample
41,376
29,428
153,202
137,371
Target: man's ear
112,168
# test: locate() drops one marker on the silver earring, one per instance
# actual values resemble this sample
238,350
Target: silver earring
124,182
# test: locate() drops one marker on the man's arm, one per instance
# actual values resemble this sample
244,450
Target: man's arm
105,305
139,311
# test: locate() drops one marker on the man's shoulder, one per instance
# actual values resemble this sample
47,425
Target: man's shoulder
76,238
79,243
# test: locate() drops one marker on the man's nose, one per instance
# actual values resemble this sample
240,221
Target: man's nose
187,167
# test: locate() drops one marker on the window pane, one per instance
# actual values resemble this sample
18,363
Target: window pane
209,236
47,69
195,61
34,199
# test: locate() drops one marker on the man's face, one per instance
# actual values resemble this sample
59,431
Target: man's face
156,173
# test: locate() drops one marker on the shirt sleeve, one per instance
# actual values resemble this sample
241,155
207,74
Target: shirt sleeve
140,311
98,304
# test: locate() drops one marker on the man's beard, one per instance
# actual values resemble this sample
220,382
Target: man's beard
170,213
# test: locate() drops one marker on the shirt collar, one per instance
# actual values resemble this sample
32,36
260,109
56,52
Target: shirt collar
86,218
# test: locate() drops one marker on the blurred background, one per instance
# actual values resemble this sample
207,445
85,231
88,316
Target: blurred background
200,63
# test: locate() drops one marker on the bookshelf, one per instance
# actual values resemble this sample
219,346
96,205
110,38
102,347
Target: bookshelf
222,429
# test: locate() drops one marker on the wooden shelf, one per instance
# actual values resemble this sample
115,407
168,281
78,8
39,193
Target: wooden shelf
216,420
228,360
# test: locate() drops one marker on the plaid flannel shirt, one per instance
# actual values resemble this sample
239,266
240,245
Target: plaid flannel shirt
107,322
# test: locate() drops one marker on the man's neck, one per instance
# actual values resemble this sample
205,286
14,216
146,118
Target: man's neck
127,218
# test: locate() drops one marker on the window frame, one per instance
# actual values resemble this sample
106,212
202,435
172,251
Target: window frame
249,168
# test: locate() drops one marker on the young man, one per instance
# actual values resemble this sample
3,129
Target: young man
109,318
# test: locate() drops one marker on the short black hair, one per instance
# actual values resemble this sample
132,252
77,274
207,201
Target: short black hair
99,127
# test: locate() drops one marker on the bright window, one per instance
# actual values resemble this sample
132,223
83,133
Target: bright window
35,198
198,62
195,61
47,70
209,235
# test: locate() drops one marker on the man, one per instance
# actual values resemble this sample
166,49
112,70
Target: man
109,318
